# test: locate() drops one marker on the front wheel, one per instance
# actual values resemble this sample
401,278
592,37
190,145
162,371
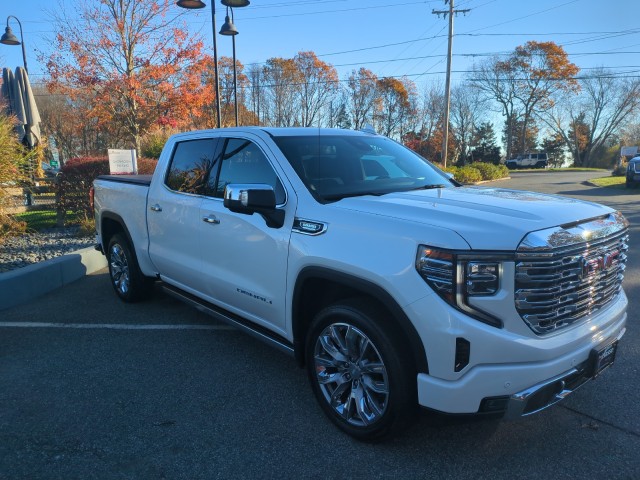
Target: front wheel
126,278
359,371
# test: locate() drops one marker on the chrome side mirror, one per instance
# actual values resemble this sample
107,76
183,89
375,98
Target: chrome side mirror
254,198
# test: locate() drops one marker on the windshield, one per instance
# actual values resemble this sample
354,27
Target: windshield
338,166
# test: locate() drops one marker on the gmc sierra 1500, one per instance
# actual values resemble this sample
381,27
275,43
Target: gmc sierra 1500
392,284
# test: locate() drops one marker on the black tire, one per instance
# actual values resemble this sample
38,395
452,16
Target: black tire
126,278
360,371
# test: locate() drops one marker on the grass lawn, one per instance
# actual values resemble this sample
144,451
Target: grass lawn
568,169
578,169
44,219
610,182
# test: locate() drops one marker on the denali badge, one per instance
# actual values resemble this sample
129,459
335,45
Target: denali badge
309,227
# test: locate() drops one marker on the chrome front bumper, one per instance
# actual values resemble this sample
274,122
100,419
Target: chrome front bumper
549,392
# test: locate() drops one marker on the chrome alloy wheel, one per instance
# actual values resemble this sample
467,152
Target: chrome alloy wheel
351,374
119,267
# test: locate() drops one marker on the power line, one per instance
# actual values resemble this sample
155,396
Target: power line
525,16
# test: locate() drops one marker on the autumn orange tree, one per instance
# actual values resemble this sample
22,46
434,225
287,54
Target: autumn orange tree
396,105
525,82
130,64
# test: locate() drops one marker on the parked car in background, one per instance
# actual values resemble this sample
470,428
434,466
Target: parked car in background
633,172
528,160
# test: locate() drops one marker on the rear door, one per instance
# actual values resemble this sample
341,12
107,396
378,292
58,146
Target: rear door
173,213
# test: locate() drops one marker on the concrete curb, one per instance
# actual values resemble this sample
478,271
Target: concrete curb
24,284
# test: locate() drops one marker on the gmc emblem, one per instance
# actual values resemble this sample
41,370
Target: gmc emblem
597,264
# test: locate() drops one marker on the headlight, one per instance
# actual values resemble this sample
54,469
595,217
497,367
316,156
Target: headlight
457,276
482,278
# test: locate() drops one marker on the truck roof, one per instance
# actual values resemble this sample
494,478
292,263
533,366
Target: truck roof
285,131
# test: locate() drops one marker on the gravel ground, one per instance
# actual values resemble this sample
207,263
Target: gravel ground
18,252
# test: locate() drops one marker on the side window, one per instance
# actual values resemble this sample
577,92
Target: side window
190,166
244,162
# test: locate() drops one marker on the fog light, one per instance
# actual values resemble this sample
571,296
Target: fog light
463,352
494,404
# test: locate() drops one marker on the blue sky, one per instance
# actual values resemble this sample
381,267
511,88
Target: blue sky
389,37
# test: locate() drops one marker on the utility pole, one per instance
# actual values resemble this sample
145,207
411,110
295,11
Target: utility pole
451,12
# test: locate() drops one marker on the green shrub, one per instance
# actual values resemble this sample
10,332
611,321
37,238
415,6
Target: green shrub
489,171
468,174
13,169
152,144
451,169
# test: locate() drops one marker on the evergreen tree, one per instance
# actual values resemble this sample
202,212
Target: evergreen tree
554,146
484,145
530,143
342,119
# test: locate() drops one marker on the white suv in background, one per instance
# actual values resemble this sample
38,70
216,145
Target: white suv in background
528,160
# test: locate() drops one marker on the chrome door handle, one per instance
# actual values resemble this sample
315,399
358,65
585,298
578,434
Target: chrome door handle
155,208
211,219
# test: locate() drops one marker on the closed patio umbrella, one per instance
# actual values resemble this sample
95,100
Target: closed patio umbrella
10,97
26,109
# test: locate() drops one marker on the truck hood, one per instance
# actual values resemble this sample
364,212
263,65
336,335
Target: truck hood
487,218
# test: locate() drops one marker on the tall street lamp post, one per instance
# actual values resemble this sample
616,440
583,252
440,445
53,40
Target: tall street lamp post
10,39
194,4
229,29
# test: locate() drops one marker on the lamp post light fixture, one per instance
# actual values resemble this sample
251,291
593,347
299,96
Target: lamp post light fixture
235,3
229,29
195,4
10,39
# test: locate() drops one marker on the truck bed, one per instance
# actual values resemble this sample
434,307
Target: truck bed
132,179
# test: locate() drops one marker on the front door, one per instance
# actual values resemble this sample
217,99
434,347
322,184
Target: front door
244,261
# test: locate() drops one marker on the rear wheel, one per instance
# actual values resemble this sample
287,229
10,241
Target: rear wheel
126,278
359,371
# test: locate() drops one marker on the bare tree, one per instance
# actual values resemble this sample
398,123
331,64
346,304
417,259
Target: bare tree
361,92
282,80
498,83
256,100
466,107
319,83
588,120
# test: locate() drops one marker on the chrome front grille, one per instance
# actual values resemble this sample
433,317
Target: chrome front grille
565,280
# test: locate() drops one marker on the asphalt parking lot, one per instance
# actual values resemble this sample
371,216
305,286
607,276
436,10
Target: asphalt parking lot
93,388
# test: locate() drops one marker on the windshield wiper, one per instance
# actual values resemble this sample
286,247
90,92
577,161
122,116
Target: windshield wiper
428,187
340,196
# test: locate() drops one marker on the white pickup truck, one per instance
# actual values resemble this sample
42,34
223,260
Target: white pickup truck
392,284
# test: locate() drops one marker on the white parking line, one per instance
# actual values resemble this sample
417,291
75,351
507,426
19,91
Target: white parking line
113,326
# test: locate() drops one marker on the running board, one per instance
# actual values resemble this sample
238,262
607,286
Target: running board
246,326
